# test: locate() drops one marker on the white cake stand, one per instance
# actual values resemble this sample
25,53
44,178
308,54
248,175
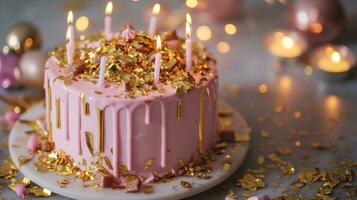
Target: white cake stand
167,191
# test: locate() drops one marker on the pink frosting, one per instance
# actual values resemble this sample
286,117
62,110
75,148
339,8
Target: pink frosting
33,143
128,33
135,130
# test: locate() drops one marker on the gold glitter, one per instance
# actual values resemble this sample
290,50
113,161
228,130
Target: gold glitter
148,163
24,159
179,110
40,192
58,113
100,118
85,104
252,181
201,122
89,142
186,184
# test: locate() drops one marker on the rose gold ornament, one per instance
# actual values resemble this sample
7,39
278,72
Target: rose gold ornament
32,65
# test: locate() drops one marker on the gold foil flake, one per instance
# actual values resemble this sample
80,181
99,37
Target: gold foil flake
25,181
186,184
318,145
58,113
66,80
40,192
179,110
265,134
287,169
63,182
242,137
89,142
226,165
100,118
24,159
8,169
201,122
108,162
148,189
284,150
251,181
148,163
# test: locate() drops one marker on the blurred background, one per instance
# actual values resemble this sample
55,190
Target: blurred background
287,65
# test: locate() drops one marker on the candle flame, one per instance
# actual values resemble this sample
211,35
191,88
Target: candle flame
287,42
109,8
70,17
68,34
156,9
335,57
158,42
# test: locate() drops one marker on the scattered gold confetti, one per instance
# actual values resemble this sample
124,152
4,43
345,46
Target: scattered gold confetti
242,137
252,181
24,159
185,184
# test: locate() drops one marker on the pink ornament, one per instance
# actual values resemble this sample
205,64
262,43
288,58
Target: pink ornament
9,72
319,20
21,191
33,143
260,197
128,33
11,117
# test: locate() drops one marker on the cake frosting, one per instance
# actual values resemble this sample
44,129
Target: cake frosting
131,124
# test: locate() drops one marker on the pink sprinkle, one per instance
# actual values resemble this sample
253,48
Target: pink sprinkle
260,197
11,117
21,191
32,143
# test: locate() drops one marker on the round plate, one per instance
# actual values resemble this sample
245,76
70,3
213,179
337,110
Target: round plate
167,191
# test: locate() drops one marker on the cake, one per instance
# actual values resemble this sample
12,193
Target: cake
132,124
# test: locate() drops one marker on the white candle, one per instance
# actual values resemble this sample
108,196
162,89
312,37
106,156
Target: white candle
102,69
108,20
157,60
69,47
188,43
153,20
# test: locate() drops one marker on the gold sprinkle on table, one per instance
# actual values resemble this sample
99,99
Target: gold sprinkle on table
186,184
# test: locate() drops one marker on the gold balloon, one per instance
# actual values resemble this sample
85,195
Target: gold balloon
32,67
23,36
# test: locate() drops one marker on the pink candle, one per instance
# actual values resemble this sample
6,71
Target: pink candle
188,43
102,69
153,20
108,20
157,60
69,47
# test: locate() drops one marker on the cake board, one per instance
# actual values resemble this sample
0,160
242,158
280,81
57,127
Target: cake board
171,190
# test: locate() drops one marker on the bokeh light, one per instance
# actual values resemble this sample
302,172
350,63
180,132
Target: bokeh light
230,29
192,3
82,23
223,47
204,33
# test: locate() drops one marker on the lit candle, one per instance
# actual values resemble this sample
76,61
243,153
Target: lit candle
108,20
102,69
69,47
188,43
157,60
71,27
153,20
285,44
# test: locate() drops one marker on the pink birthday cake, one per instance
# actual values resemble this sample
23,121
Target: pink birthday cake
131,122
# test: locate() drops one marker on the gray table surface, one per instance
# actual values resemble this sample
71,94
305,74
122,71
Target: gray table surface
328,109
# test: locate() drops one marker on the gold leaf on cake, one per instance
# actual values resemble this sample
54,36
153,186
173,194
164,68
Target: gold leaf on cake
107,162
89,142
148,163
24,159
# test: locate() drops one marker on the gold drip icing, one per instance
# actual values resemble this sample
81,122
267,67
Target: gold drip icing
58,113
49,109
201,122
100,117
85,104
89,142
179,110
